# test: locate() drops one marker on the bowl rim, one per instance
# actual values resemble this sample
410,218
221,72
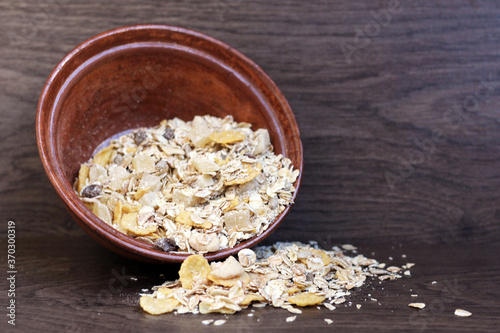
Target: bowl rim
105,234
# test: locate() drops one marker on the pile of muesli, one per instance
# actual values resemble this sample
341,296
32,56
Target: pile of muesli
198,186
282,275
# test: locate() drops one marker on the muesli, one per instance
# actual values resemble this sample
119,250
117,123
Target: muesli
285,275
198,186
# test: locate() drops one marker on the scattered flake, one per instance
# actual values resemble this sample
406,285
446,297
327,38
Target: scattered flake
291,319
281,275
250,314
328,321
192,187
410,265
219,322
294,310
373,299
403,256
207,322
417,305
193,269
259,305
329,306
306,299
462,313
407,273
349,247
414,295
434,282
156,306
393,269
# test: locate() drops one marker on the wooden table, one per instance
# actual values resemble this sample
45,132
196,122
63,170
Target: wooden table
398,104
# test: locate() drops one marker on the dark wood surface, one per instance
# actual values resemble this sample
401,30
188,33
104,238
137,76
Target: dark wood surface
401,134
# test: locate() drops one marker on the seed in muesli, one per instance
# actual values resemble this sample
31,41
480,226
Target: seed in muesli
191,187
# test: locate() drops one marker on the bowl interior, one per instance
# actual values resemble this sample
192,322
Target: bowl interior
138,76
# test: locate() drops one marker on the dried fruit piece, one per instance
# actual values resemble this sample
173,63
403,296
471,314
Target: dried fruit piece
204,181
200,132
306,299
157,306
169,133
237,220
262,142
193,270
179,198
118,159
143,162
91,191
204,165
226,137
139,137
229,269
166,244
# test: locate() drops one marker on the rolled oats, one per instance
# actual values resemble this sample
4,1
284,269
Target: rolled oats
462,313
417,305
205,184
282,275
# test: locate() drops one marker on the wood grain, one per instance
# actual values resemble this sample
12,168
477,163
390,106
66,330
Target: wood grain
378,115
75,285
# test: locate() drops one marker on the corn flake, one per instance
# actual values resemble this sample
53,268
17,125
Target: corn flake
249,298
306,299
157,306
83,174
103,156
129,223
194,268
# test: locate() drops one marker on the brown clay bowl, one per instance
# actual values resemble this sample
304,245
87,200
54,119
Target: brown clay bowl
137,76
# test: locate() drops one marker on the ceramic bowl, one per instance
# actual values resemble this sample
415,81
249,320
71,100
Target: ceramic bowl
136,76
